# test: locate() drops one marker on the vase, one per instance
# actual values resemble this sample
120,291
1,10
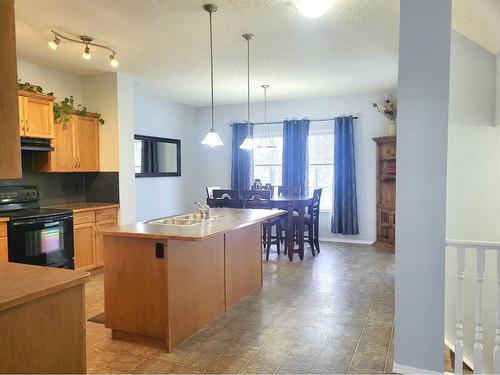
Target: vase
391,128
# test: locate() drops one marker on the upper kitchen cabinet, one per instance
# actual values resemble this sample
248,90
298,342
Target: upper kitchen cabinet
10,147
76,146
36,116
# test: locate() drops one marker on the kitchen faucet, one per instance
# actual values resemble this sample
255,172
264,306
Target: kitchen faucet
204,210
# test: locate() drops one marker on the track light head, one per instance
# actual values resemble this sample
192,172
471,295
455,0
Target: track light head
86,53
54,43
113,61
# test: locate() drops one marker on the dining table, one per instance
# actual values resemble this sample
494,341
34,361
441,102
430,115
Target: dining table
291,203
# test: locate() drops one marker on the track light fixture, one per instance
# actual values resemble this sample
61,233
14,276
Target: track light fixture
85,40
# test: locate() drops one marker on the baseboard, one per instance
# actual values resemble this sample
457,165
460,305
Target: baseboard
347,240
402,369
467,361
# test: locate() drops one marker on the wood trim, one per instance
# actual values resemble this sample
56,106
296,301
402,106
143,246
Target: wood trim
36,95
10,141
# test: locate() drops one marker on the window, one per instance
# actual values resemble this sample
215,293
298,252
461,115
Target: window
268,162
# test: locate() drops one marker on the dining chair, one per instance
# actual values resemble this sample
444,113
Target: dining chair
289,190
261,199
210,191
227,198
311,222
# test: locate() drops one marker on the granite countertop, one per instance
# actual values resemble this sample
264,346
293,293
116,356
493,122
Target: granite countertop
85,206
22,283
230,219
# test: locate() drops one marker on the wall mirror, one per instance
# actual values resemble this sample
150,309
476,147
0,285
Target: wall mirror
157,157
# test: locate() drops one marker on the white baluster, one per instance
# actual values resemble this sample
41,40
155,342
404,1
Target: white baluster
459,328
496,350
478,337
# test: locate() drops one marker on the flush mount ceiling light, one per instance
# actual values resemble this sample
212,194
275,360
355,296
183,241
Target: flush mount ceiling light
85,40
312,8
248,143
267,142
212,138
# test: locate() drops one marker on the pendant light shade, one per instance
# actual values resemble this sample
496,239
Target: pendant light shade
212,138
267,142
248,143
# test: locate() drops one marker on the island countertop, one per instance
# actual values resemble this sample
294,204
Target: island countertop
229,219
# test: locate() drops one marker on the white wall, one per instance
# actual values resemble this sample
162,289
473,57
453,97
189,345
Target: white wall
473,197
215,163
423,95
497,115
51,80
161,196
125,111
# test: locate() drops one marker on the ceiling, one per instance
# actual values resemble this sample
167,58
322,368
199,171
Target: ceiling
351,49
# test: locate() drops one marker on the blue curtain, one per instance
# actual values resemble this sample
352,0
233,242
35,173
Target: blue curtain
295,153
345,206
241,160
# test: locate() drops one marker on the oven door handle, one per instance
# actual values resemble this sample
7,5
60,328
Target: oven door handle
47,222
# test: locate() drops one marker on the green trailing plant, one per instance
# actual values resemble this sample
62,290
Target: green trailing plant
26,86
66,107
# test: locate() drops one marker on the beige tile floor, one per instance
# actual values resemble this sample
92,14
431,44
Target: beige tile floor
329,314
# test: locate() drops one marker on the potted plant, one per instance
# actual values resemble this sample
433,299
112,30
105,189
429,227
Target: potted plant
66,107
389,108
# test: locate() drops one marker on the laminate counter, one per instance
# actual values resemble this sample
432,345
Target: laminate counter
226,220
85,206
42,319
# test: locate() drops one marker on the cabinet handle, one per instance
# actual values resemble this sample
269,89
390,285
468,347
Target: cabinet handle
27,126
76,164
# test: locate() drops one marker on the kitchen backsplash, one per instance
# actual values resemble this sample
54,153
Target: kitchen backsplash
59,188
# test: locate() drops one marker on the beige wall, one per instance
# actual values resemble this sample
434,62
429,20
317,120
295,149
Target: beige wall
100,94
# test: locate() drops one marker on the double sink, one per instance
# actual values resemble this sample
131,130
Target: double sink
183,220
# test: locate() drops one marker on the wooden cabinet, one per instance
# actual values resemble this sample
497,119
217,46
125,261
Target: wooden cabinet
386,192
84,242
76,147
89,249
4,246
36,116
10,145
87,143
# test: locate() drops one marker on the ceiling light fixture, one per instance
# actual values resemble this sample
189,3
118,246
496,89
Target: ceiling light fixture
212,138
267,142
85,40
313,8
248,143
54,43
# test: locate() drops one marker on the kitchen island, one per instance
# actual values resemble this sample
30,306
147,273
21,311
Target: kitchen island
168,279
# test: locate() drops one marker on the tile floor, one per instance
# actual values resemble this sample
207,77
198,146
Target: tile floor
329,314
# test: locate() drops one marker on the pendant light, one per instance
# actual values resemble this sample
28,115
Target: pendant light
212,138
268,142
248,143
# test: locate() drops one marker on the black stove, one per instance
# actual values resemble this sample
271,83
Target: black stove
41,236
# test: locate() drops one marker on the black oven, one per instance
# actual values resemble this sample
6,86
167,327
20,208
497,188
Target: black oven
43,240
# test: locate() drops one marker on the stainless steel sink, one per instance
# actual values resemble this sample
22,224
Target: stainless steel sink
183,220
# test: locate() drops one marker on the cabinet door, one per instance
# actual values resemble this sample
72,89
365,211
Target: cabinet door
4,249
87,144
99,253
84,246
20,104
38,118
63,158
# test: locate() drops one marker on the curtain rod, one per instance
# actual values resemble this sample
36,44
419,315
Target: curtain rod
281,122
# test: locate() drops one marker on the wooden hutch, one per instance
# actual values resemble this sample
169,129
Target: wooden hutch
386,192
